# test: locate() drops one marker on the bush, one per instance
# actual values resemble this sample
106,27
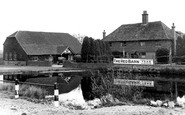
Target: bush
25,90
179,60
103,83
7,87
117,54
77,58
162,55
33,92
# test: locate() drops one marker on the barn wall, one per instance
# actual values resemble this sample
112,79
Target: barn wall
13,54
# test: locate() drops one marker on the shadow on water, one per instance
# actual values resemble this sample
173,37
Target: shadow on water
66,81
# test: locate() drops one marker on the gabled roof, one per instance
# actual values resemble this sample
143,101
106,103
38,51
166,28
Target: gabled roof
40,43
62,49
138,32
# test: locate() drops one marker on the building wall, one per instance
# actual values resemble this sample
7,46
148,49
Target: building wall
20,63
39,60
13,54
146,49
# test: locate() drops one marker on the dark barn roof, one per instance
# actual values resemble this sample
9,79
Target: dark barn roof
42,43
139,32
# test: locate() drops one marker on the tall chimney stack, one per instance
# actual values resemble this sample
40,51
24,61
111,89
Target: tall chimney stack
144,17
104,33
174,39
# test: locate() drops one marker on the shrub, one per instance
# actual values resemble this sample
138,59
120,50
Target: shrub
103,83
117,54
7,87
162,55
25,90
33,92
179,60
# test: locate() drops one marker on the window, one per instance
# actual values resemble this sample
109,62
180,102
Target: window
35,58
10,56
123,44
20,57
126,55
15,56
143,54
142,43
158,45
6,56
110,44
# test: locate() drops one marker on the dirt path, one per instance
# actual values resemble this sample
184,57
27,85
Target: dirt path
10,106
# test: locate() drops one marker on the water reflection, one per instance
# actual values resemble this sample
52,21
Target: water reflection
163,83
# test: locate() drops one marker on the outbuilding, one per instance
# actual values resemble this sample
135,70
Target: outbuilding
39,48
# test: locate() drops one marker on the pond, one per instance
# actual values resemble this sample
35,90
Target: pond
163,84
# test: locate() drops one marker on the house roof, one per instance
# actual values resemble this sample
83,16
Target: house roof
40,43
140,32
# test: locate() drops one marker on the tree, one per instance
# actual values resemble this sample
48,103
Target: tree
85,49
91,49
95,50
162,55
79,37
180,46
180,53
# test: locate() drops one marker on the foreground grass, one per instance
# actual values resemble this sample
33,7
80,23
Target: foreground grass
25,90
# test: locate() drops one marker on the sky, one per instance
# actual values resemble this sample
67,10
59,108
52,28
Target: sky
85,17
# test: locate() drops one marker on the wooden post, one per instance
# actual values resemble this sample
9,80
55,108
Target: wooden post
56,94
16,88
176,91
171,90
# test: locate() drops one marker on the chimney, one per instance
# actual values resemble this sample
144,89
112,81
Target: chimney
104,33
144,17
174,39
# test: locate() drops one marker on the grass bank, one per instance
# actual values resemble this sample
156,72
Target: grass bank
27,91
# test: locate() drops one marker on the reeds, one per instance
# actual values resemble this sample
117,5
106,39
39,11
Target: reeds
25,90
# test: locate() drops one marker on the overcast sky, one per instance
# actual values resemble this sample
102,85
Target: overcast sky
85,17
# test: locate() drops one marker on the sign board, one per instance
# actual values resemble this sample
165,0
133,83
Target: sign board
134,82
133,61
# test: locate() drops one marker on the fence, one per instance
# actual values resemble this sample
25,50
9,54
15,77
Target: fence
17,88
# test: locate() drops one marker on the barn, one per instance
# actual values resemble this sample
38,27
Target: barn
29,48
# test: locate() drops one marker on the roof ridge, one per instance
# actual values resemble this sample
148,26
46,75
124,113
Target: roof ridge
43,32
156,30
139,23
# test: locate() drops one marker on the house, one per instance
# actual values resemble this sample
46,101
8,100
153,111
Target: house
142,40
39,48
